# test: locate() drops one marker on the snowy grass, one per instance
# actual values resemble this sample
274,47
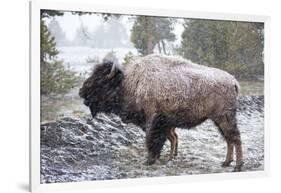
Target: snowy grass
251,87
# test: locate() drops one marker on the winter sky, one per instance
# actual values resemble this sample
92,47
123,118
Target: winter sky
70,23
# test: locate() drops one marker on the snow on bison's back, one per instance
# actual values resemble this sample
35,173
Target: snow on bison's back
173,83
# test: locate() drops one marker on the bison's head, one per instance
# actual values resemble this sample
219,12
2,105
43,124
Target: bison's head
102,90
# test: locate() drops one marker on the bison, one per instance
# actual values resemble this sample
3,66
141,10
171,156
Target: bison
159,93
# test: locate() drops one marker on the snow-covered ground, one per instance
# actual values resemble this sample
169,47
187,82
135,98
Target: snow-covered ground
80,148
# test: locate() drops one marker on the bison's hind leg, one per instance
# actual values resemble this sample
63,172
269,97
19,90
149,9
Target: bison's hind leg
176,143
173,138
228,127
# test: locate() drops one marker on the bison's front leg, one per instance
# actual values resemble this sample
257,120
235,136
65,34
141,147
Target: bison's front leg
155,139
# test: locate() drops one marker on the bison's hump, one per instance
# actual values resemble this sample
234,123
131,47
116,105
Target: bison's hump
172,82
165,71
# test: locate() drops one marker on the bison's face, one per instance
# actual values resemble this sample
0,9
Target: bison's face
101,91
84,91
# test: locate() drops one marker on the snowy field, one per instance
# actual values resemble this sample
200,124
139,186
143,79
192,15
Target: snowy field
76,57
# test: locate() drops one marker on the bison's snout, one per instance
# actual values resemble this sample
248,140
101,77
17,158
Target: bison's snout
81,93
86,102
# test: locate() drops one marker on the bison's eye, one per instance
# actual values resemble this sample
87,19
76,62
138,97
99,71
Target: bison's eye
87,84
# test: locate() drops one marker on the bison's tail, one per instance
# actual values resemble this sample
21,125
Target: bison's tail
237,87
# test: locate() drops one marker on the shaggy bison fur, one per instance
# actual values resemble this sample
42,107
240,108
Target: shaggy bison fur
159,93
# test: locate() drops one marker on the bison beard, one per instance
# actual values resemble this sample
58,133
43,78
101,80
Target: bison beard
145,95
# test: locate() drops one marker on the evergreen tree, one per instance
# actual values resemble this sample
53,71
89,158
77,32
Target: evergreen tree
55,78
46,13
57,32
164,28
148,31
236,47
141,35
48,45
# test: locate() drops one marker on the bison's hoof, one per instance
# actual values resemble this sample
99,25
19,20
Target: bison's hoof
238,167
226,163
150,162
171,157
